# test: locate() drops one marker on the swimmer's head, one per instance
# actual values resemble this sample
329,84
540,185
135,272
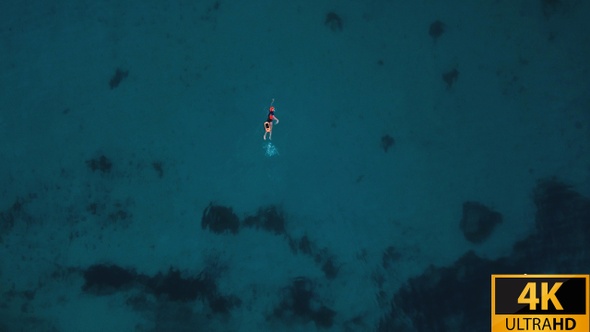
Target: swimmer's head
272,109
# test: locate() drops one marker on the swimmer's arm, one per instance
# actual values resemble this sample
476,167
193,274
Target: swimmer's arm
275,118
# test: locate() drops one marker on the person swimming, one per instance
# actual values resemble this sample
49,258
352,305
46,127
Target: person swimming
269,121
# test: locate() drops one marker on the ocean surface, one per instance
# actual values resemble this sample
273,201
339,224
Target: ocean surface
422,146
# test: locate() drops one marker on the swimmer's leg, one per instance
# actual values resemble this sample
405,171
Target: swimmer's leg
267,130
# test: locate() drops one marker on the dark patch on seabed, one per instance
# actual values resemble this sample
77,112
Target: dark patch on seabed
457,298
118,77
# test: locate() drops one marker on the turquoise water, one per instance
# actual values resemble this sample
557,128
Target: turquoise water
139,195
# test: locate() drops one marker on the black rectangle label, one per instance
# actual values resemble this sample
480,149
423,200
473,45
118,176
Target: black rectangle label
567,294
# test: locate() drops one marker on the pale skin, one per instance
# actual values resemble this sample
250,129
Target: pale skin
268,123
269,132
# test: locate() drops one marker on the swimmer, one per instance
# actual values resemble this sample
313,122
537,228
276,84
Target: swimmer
269,119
